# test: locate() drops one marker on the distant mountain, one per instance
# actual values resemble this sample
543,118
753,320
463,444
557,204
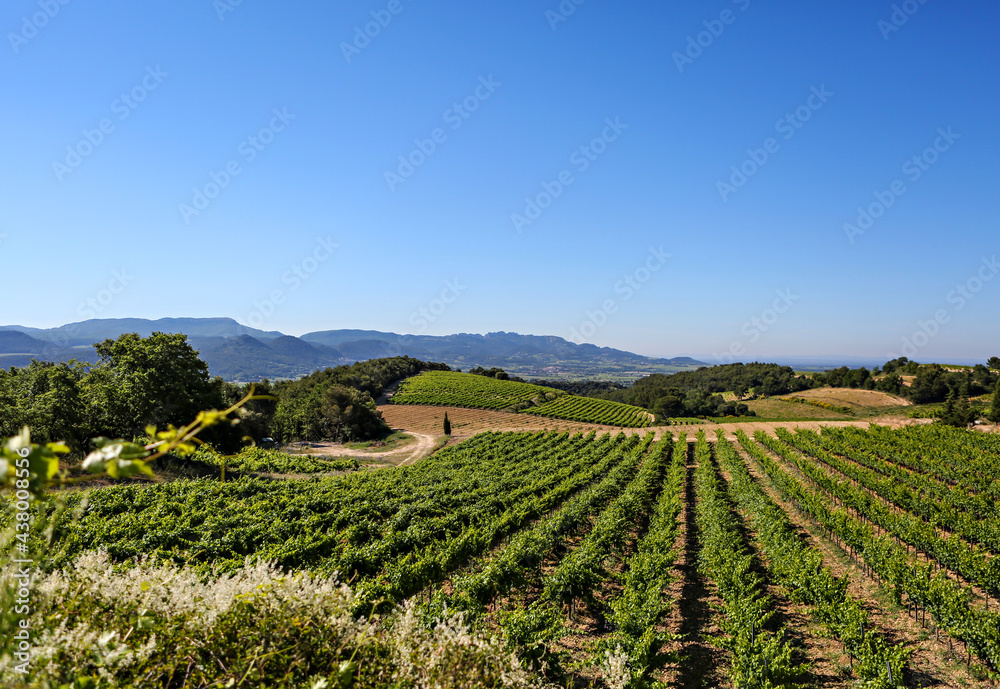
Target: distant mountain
87,333
16,342
530,356
240,353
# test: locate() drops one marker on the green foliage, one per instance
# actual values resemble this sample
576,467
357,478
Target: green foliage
926,585
799,568
840,409
483,392
994,414
49,398
153,625
764,379
494,372
957,410
446,388
759,656
258,460
338,403
593,410
845,377
157,380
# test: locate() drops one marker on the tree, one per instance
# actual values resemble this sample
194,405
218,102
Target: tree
957,410
670,405
447,424
740,389
48,398
993,363
157,380
349,414
994,413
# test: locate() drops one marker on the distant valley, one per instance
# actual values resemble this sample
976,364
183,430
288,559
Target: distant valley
240,353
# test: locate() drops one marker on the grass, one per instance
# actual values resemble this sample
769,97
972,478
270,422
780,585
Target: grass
772,409
393,441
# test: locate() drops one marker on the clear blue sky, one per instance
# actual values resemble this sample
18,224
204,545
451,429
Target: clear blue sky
184,89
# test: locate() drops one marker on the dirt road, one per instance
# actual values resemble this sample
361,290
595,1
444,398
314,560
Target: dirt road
408,454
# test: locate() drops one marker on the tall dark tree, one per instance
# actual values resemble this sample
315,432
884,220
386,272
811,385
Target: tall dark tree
447,424
957,410
994,414
994,363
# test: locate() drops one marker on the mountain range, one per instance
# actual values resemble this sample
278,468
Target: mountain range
240,353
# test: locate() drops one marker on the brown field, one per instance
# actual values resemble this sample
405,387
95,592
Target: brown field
774,408
465,423
850,397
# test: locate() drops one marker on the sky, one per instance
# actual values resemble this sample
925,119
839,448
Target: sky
732,180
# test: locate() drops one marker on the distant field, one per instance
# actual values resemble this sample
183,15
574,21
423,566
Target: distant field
466,422
774,408
850,397
450,389
593,410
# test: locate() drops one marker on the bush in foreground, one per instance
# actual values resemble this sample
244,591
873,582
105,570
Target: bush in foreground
161,625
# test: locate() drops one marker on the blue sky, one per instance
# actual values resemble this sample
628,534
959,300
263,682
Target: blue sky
263,161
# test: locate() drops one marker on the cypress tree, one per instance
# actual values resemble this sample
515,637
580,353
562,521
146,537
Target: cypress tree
994,413
447,424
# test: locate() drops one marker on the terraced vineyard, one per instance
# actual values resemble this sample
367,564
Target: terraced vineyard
450,389
593,410
584,553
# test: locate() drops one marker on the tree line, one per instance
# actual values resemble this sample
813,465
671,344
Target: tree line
160,380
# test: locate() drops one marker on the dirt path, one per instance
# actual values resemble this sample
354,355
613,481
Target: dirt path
403,456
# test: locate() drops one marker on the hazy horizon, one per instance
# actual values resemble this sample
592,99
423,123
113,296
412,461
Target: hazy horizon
731,178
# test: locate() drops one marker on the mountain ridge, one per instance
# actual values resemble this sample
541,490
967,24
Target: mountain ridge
241,353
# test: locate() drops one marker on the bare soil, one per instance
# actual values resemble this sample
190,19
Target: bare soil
852,397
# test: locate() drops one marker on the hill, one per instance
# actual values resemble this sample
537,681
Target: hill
450,389
527,356
241,353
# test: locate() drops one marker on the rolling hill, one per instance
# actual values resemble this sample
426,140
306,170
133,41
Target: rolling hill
240,353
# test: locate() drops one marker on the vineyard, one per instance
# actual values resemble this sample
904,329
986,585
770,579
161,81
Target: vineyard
449,389
583,554
593,410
